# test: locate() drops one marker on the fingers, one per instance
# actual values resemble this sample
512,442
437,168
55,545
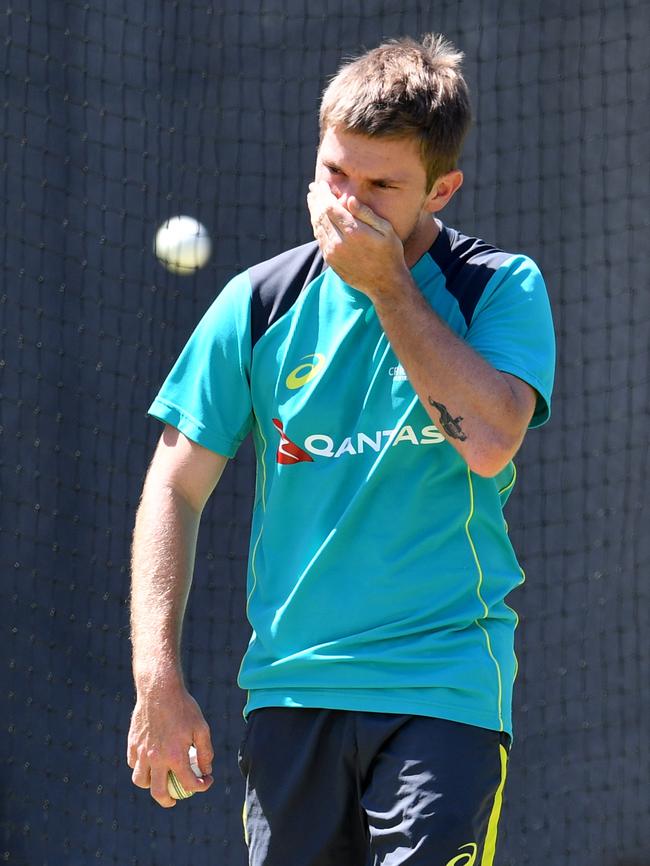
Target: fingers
367,215
131,754
193,784
148,772
204,750
141,776
189,773
158,786
160,736
321,193
329,217
152,774
150,768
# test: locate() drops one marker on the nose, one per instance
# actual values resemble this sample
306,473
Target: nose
342,187
343,190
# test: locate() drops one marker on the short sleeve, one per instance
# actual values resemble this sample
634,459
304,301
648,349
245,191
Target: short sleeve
512,328
207,393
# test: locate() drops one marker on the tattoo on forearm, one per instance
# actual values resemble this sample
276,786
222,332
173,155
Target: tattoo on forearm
450,425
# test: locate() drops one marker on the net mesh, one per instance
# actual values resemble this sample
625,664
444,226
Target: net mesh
117,116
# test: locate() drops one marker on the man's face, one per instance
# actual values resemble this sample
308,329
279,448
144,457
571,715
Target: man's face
386,174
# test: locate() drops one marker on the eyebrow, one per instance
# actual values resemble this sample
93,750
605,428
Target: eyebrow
390,181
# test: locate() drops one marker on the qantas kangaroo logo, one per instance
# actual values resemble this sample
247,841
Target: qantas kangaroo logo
288,451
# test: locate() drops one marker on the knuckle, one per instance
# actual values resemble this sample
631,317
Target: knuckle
139,779
165,802
161,796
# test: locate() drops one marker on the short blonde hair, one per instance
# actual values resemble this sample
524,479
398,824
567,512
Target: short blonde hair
405,88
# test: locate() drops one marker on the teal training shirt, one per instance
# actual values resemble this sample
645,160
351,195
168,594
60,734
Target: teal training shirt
379,563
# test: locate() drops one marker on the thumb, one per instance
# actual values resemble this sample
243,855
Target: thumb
367,215
204,751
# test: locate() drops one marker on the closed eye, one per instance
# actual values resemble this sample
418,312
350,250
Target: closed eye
334,169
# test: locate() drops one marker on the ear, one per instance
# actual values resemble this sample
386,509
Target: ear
443,189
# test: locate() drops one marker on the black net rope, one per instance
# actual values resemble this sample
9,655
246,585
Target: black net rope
116,117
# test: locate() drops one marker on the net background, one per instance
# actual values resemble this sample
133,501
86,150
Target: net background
116,117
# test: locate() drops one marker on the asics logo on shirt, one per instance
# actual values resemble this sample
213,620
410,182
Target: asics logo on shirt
305,372
322,445
466,859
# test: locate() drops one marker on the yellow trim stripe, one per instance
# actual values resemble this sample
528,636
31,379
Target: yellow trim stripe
511,482
490,846
480,597
244,816
259,537
523,578
523,575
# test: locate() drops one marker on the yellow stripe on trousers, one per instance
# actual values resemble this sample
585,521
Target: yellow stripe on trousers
493,824
244,816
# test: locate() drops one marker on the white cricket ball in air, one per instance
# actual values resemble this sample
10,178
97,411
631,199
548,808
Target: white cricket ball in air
182,245
175,789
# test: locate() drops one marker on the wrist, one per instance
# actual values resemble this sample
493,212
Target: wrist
164,676
394,292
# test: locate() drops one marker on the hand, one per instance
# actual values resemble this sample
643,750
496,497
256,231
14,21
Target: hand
165,722
360,246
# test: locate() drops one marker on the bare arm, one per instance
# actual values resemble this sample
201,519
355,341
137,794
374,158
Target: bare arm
166,719
481,411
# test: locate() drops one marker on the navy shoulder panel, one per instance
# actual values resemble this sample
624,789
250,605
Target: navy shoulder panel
276,284
468,265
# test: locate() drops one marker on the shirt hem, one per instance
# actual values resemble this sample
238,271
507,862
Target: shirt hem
354,701
168,413
540,415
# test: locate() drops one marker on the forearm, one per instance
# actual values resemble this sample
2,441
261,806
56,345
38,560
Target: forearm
482,412
164,545
471,403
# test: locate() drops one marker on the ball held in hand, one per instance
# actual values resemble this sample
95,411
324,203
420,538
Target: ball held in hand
175,789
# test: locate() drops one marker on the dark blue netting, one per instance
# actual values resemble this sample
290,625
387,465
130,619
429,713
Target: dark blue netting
118,115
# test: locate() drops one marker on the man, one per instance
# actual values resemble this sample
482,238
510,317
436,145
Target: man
388,373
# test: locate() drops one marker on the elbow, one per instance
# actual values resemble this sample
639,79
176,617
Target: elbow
491,458
487,468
